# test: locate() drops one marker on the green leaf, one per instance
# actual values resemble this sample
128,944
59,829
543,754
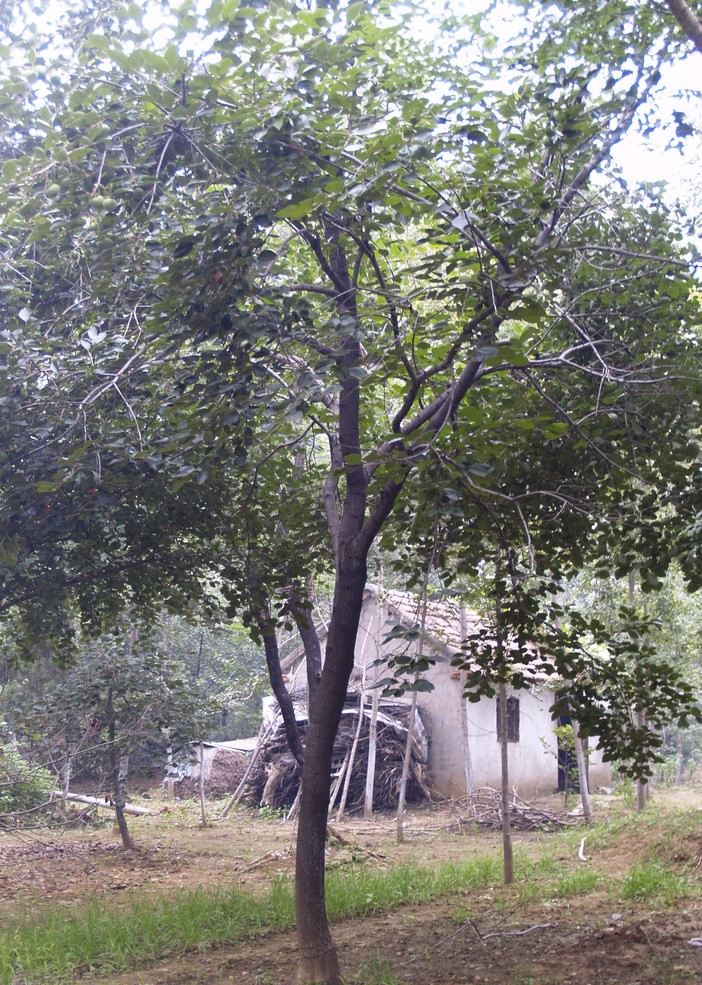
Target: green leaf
298,210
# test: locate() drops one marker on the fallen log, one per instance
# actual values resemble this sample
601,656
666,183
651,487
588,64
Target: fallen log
106,804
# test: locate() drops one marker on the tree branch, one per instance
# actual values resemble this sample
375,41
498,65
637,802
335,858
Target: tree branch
688,21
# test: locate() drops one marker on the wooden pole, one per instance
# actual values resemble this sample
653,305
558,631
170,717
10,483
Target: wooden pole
80,798
263,735
201,786
372,751
352,758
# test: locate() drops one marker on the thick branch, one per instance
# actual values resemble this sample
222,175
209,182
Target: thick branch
688,21
270,646
302,615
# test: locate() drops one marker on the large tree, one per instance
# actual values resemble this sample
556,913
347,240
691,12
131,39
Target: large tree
264,266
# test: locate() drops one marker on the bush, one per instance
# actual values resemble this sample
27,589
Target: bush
22,785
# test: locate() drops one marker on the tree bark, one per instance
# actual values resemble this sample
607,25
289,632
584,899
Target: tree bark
66,775
688,21
318,959
405,771
118,778
507,850
275,674
201,787
372,747
582,770
312,647
678,759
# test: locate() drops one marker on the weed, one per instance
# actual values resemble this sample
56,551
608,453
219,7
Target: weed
376,972
575,883
649,879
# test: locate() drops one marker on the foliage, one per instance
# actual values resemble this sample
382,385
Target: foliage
123,697
23,786
226,668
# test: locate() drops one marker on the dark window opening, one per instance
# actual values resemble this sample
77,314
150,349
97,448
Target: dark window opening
512,720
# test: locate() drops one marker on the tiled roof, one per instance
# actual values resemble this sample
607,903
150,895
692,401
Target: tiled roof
446,625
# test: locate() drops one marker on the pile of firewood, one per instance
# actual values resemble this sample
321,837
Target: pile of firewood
276,779
486,812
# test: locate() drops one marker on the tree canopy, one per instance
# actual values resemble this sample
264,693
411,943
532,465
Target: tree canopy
279,279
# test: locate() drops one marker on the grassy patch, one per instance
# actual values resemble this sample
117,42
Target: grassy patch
376,972
363,891
649,880
94,937
575,883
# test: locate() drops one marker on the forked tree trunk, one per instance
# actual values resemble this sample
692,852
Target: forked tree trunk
318,959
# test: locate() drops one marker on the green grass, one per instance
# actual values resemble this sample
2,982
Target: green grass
93,937
575,883
649,880
376,972
59,944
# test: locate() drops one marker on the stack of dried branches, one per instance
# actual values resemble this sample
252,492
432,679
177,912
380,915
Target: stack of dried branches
276,780
486,812
222,775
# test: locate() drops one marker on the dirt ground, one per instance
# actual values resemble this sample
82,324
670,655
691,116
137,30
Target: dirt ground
492,937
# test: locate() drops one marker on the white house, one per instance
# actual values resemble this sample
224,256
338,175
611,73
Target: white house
464,750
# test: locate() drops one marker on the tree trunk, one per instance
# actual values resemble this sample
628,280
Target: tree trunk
642,786
678,759
642,789
170,782
201,787
66,776
372,747
582,770
508,853
688,21
405,771
467,757
318,959
119,778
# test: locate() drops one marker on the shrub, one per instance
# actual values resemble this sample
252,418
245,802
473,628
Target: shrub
22,785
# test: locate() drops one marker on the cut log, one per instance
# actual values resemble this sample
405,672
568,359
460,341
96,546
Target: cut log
106,804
